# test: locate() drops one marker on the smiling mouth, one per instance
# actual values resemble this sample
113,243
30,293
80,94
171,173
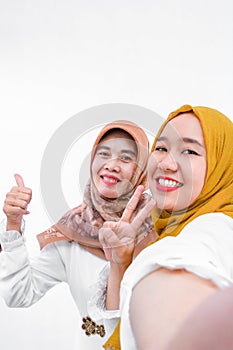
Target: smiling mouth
167,184
109,180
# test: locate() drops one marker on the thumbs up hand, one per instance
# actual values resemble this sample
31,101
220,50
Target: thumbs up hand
16,202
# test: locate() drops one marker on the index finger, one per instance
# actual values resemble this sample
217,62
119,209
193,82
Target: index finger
132,204
143,214
19,180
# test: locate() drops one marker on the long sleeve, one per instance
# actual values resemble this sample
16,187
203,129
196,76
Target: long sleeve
24,281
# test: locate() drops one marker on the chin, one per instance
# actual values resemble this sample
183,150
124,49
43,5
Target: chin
166,206
108,194
166,202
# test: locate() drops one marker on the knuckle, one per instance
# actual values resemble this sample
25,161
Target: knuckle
15,210
9,194
130,206
14,189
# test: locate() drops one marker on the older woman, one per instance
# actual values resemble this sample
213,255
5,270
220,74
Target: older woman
71,251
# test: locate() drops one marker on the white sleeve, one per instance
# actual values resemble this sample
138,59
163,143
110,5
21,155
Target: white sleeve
24,281
97,303
9,236
204,247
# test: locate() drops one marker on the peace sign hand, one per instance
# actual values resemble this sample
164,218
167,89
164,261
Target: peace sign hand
118,238
16,202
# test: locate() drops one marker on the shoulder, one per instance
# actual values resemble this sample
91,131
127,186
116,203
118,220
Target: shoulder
214,218
203,247
207,234
211,222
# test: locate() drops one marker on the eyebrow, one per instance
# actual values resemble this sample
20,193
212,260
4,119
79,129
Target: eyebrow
184,139
122,151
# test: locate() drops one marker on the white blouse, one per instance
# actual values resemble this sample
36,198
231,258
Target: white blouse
204,247
58,262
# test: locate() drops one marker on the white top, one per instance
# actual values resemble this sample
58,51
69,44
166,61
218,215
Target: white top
58,262
204,247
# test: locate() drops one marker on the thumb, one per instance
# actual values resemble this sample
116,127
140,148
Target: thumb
19,180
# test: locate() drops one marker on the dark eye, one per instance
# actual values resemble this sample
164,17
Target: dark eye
190,151
126,158
103,154
160,149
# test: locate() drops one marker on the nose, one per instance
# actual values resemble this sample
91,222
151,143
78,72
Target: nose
112,165
168,163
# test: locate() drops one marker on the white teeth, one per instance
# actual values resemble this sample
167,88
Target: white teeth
168,183
109,179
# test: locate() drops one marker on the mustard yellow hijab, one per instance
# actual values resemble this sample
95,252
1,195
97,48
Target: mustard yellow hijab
217,192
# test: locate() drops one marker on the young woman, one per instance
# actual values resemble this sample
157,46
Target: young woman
190,175
71,251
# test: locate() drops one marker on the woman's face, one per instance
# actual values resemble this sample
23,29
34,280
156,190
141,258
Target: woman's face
114,164
177,167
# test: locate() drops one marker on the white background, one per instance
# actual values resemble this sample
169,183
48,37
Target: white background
61,57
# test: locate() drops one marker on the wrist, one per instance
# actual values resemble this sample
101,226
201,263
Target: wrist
13,226
119,268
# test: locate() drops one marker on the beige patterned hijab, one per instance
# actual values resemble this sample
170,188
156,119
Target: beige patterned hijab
82,223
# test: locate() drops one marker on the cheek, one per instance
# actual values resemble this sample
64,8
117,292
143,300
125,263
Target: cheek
152,166
198,181
129,171
151,170
95,166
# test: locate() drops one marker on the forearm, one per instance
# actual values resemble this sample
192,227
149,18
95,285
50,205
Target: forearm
170,296
212,319
113,287
96,304
117,272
